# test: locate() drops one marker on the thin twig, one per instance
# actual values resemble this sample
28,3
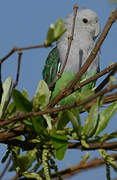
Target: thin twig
78,168
66,91
14,84
5,169
4,122
96,76
13,132
18,69
70,39
27,145
7,55
13,50
94,146
110,98
106,80
106,100
15,177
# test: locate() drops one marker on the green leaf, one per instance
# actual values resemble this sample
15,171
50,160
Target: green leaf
42,96
73,121
84,94
60,143
84,143
41,99
25,94
6,93
21,102
63,119
32,175
11,109
77,117
49,120
91,122
39,124
86,156
50,35
104,117
61,84
59,28
55,31
22,163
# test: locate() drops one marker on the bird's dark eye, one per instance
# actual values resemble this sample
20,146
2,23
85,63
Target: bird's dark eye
85,20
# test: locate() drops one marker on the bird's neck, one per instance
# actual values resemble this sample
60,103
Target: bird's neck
83,37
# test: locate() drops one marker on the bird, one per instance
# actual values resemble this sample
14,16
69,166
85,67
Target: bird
87,28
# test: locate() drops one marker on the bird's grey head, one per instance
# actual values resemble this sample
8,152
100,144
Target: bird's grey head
86,22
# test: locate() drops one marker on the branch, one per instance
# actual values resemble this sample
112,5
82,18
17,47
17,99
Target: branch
70,39
107,99
96,76
4,122
13,132
6,138
106,80
68,90
5,169
13,50
68,172
15,177
94,146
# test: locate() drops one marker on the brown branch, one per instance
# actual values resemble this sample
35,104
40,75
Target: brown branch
22,49
15,177
4,122
6,138
110,98
5,169
68,172
94,146
95,77
107,99
70,39
13,132
106,80
14,84
18,69
66,91
7,55
25,145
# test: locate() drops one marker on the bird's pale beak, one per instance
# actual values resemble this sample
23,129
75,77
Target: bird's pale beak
97,31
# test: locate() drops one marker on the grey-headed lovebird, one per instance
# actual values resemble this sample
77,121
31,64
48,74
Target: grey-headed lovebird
87,28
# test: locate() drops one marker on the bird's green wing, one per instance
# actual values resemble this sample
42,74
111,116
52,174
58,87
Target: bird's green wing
51,66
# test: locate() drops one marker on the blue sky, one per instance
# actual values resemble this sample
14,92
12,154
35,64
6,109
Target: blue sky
25,23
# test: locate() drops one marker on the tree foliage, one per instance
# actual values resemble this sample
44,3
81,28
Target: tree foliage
41,129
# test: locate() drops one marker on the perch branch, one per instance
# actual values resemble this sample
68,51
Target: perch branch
97,76
106,80
4,122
